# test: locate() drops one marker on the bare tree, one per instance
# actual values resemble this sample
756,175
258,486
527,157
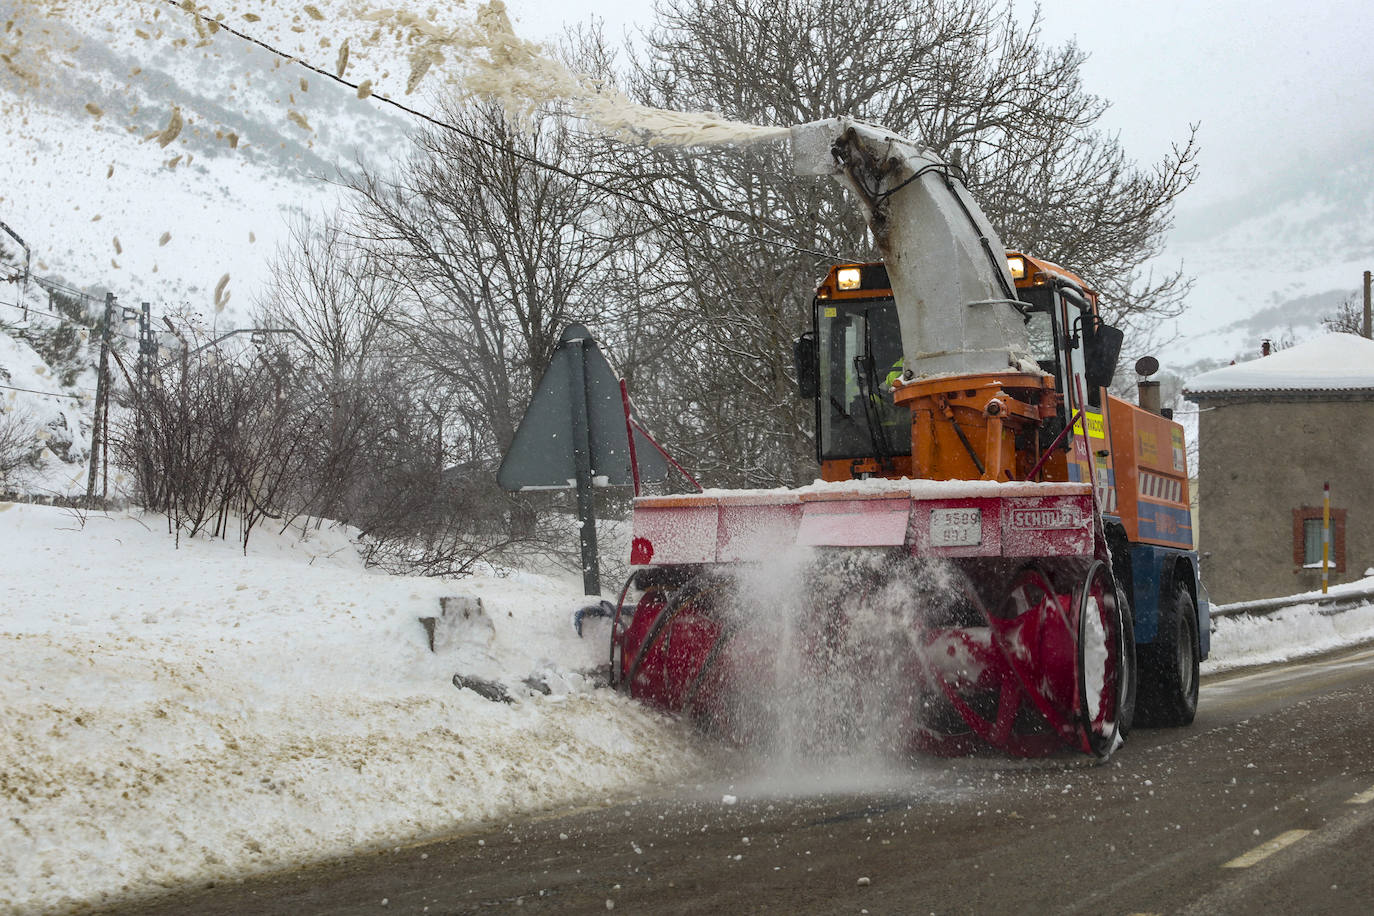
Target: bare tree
19,445
1348,319
497,253
332,293
962,75
378,438
501,235
212,439
337,300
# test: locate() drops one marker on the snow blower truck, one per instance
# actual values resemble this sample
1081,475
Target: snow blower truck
998,553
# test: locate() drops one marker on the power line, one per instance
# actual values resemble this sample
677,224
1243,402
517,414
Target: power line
34,310
51,394
50,284
532,160
38,311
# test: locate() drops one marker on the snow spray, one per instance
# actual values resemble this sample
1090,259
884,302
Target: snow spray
374,47
518,74
834,694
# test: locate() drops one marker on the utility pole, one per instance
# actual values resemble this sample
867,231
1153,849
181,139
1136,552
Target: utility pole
102,399
146,348
1326,532
1366,330
147,353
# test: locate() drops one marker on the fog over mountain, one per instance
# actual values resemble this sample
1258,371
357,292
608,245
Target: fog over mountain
1276,262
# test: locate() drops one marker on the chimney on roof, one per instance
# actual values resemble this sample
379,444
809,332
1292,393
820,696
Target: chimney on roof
1266,347
1147,389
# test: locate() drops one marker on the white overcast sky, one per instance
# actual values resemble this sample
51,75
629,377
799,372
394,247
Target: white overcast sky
1273,83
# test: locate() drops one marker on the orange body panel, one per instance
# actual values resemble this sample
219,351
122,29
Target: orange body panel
964,428
1151,465
836,469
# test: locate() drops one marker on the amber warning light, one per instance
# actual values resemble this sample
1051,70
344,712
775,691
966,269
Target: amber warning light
848,278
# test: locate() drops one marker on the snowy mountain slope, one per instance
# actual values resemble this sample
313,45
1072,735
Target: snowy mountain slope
89,93
1292,321
258,143
47,399
59,426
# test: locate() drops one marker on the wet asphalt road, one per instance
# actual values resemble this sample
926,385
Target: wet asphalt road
1177,822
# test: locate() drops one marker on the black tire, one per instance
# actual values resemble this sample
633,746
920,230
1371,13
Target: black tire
1169,666
1120,550
1102,745
1130,657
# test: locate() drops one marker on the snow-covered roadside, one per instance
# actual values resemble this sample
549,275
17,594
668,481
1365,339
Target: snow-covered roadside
1295,632
185,715
176,715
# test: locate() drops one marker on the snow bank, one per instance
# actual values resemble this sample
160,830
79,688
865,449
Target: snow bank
1299,631
194,714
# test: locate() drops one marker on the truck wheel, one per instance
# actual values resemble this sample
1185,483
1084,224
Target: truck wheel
1169,666
1130,664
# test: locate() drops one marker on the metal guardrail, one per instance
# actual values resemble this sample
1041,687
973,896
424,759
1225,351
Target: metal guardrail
1326,604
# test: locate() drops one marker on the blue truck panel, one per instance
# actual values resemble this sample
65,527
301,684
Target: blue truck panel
1152,575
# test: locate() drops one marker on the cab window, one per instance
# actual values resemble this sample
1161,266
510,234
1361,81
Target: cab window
860,349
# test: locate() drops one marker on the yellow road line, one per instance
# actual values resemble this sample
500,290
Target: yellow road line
1363,798
1265,850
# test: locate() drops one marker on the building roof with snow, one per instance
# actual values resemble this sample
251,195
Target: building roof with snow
1340,365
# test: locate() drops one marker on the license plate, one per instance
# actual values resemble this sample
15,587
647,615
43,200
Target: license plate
956,527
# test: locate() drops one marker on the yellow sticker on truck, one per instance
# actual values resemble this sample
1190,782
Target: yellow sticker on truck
1147,452
1096,428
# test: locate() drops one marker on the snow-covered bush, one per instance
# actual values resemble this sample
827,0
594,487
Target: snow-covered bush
19,445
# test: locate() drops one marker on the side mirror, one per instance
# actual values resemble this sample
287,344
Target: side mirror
808,372
1101,351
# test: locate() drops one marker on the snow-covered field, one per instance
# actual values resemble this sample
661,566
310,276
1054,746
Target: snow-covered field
188,714
176,714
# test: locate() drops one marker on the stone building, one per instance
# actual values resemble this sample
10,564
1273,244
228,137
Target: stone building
1270,433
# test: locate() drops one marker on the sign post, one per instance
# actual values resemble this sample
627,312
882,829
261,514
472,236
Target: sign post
582,461
1326,533
576,435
